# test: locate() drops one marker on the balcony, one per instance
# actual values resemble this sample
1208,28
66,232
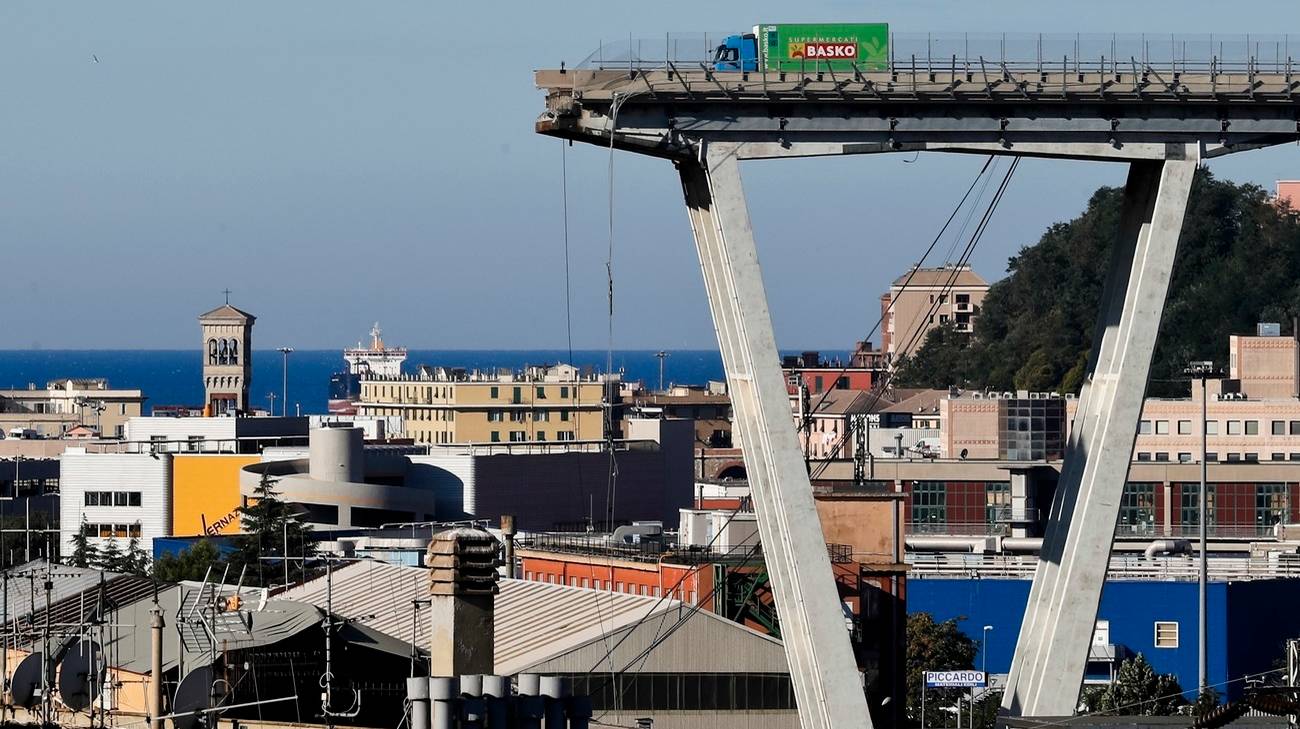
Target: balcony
963,308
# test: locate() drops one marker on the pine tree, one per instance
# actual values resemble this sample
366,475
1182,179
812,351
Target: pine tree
84,553
269,523
136,560
110,557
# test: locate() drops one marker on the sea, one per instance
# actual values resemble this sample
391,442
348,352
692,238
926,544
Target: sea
172,377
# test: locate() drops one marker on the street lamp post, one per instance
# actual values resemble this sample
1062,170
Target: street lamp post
984,652
1202,370
284,391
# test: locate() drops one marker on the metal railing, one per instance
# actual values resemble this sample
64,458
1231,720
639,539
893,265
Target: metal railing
935,54
1122,567
964,529
594,545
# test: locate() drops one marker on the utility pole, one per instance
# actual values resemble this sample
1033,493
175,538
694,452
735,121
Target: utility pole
1203,371
271,396
284,372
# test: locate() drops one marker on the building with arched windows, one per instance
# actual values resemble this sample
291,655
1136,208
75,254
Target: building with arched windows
227,359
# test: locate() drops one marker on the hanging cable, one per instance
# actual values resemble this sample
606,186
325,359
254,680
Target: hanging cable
976,236
912,273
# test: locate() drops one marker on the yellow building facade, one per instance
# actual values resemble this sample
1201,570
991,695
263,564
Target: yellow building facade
441,406
205,493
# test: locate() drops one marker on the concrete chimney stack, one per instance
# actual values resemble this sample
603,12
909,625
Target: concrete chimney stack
462,586
337,455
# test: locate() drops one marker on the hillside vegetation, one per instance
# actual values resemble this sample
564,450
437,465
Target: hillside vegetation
1238,264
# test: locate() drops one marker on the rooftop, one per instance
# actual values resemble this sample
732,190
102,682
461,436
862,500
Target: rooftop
942,276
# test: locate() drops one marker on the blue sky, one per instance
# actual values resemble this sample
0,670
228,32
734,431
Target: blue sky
334,163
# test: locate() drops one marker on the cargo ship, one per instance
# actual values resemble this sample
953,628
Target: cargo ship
376,359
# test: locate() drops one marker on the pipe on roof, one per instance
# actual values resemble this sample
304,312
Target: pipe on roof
1022,544
946,544
1168,546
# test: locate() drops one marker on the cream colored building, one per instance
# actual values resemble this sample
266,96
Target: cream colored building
441,405
1254,415
932,297
64,404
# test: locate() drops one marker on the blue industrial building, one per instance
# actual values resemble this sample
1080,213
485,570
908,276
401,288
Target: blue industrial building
1249,623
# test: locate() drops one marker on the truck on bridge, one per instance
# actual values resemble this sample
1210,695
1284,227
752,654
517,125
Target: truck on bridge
846,47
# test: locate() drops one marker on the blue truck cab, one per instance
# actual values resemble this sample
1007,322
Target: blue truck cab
737,53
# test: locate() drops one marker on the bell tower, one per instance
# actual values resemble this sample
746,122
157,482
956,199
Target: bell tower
227,359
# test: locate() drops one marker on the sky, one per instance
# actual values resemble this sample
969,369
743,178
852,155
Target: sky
336,163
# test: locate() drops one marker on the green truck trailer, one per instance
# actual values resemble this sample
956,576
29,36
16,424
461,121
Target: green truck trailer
807,47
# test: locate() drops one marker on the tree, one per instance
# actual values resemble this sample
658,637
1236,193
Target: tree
1137,691
270,527
135,561
1035,327
110,556
191,564
84,553
935,646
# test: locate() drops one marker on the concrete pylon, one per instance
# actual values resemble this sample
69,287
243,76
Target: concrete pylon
825,677
1052,651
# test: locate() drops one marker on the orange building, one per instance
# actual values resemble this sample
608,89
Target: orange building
205,493
636,573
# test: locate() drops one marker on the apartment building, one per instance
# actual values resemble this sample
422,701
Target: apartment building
922,300
61,405
441,405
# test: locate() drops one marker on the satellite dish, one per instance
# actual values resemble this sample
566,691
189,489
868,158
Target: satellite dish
26,686
81,675
200,690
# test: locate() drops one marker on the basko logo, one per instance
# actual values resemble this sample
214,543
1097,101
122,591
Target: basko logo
954,679
820,50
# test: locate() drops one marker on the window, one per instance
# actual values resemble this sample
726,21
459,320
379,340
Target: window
1189,504
1211,457
1211,427
92,498
564,435
963,298
194,443
134,530
541,435
1295,427
817,383
1277,457
1270,505
1166,634
133,498
496,436
564,415
518,436
1279,427
1184,457
1144,456
1162,427
542,416
1144,427
119,498
494,416
1184,427
518,416
1234,427
929,502
1293,457
1234,457
1252,427
541,393
1252,457
517,395
1162,456
1137,509
494,392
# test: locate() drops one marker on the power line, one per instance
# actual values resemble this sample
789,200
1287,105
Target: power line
976,236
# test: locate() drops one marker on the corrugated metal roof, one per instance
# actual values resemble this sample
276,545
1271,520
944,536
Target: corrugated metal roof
535,621
25,585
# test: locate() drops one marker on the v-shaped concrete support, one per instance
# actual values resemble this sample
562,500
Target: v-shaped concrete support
1052,651
826,682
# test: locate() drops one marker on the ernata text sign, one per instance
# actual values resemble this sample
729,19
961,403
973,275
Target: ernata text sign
955,679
